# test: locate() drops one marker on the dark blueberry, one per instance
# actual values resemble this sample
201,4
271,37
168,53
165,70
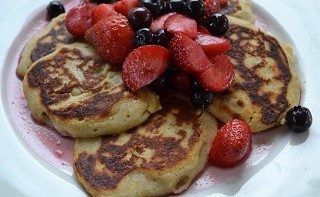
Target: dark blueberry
176,6
54,9
201,98
140,17
162,37
143,36
155,6
299,119
217,24
160,83
195,9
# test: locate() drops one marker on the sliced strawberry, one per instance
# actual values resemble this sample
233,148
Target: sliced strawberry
107,37
223,3
143,65
101,11
187,55
212,7
124,6
78,20
232,144
158,23
203,30
212,45
181,23
219,76
180,81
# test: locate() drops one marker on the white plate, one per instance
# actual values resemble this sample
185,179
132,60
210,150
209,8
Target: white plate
33,161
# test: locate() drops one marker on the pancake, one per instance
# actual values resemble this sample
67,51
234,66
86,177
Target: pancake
80,95
159,157
266,84
240,9
44,42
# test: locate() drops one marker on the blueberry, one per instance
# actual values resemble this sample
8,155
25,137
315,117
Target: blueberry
143,36
162,37
176,6
195,9
54,9
217,24
299,119
199,96
160,83
156,7
140,17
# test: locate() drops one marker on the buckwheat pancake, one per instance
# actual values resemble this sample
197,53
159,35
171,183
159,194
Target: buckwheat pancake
80,95
266,84
161,156
44,42
240,9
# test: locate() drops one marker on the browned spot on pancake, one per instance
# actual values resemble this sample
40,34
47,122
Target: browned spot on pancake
252,82
240,103
59,34
166,151
231,8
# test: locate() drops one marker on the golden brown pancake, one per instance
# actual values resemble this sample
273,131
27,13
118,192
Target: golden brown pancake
80,95
44,42
240,9
161,156
266,84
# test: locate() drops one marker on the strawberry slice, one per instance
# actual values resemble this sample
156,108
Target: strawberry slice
223,3
232,144
107,37
212,45
212,7
203,30
219,76
187,55
124,6
158,23
101,11
78,20
181,23
143,65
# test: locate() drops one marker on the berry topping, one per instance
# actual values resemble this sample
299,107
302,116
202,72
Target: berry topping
211,7
219,76
195,9
199,96
232,144
143,65
299,119
143,36
181,23
176,6
102,11
212,45
124,6
107,37
217,24
54,9
140,17
162,37
155,6
101,1
187,55
158,23
180,80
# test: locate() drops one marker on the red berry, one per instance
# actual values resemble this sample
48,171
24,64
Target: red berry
187,55
212,7
219,76
143,65
212,45
78,20
179,23
107,37
124,6
232,144
101,11
158,23
203,30
223,3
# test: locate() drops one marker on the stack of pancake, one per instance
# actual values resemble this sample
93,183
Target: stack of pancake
137,144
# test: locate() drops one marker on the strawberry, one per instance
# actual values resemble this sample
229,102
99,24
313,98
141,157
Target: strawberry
202,29
158,23
181,23
107,37
143,65
78,20
232,144
223,3
212,45
124,6
211,7
187,55
101,11
219,76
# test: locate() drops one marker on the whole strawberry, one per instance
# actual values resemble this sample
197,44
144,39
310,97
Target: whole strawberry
232,144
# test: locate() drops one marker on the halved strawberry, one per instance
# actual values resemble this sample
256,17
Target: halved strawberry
112,37
187,55
212,45
143,65
101,11
179,23
158,23
223,3
78,20
124,6
212,7
203,30
232,144
219,76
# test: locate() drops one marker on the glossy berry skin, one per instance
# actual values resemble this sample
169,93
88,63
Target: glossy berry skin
143,36
299,119
195,9
162,37
178,6
54,9
217,24
155,6
140,17
201,98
